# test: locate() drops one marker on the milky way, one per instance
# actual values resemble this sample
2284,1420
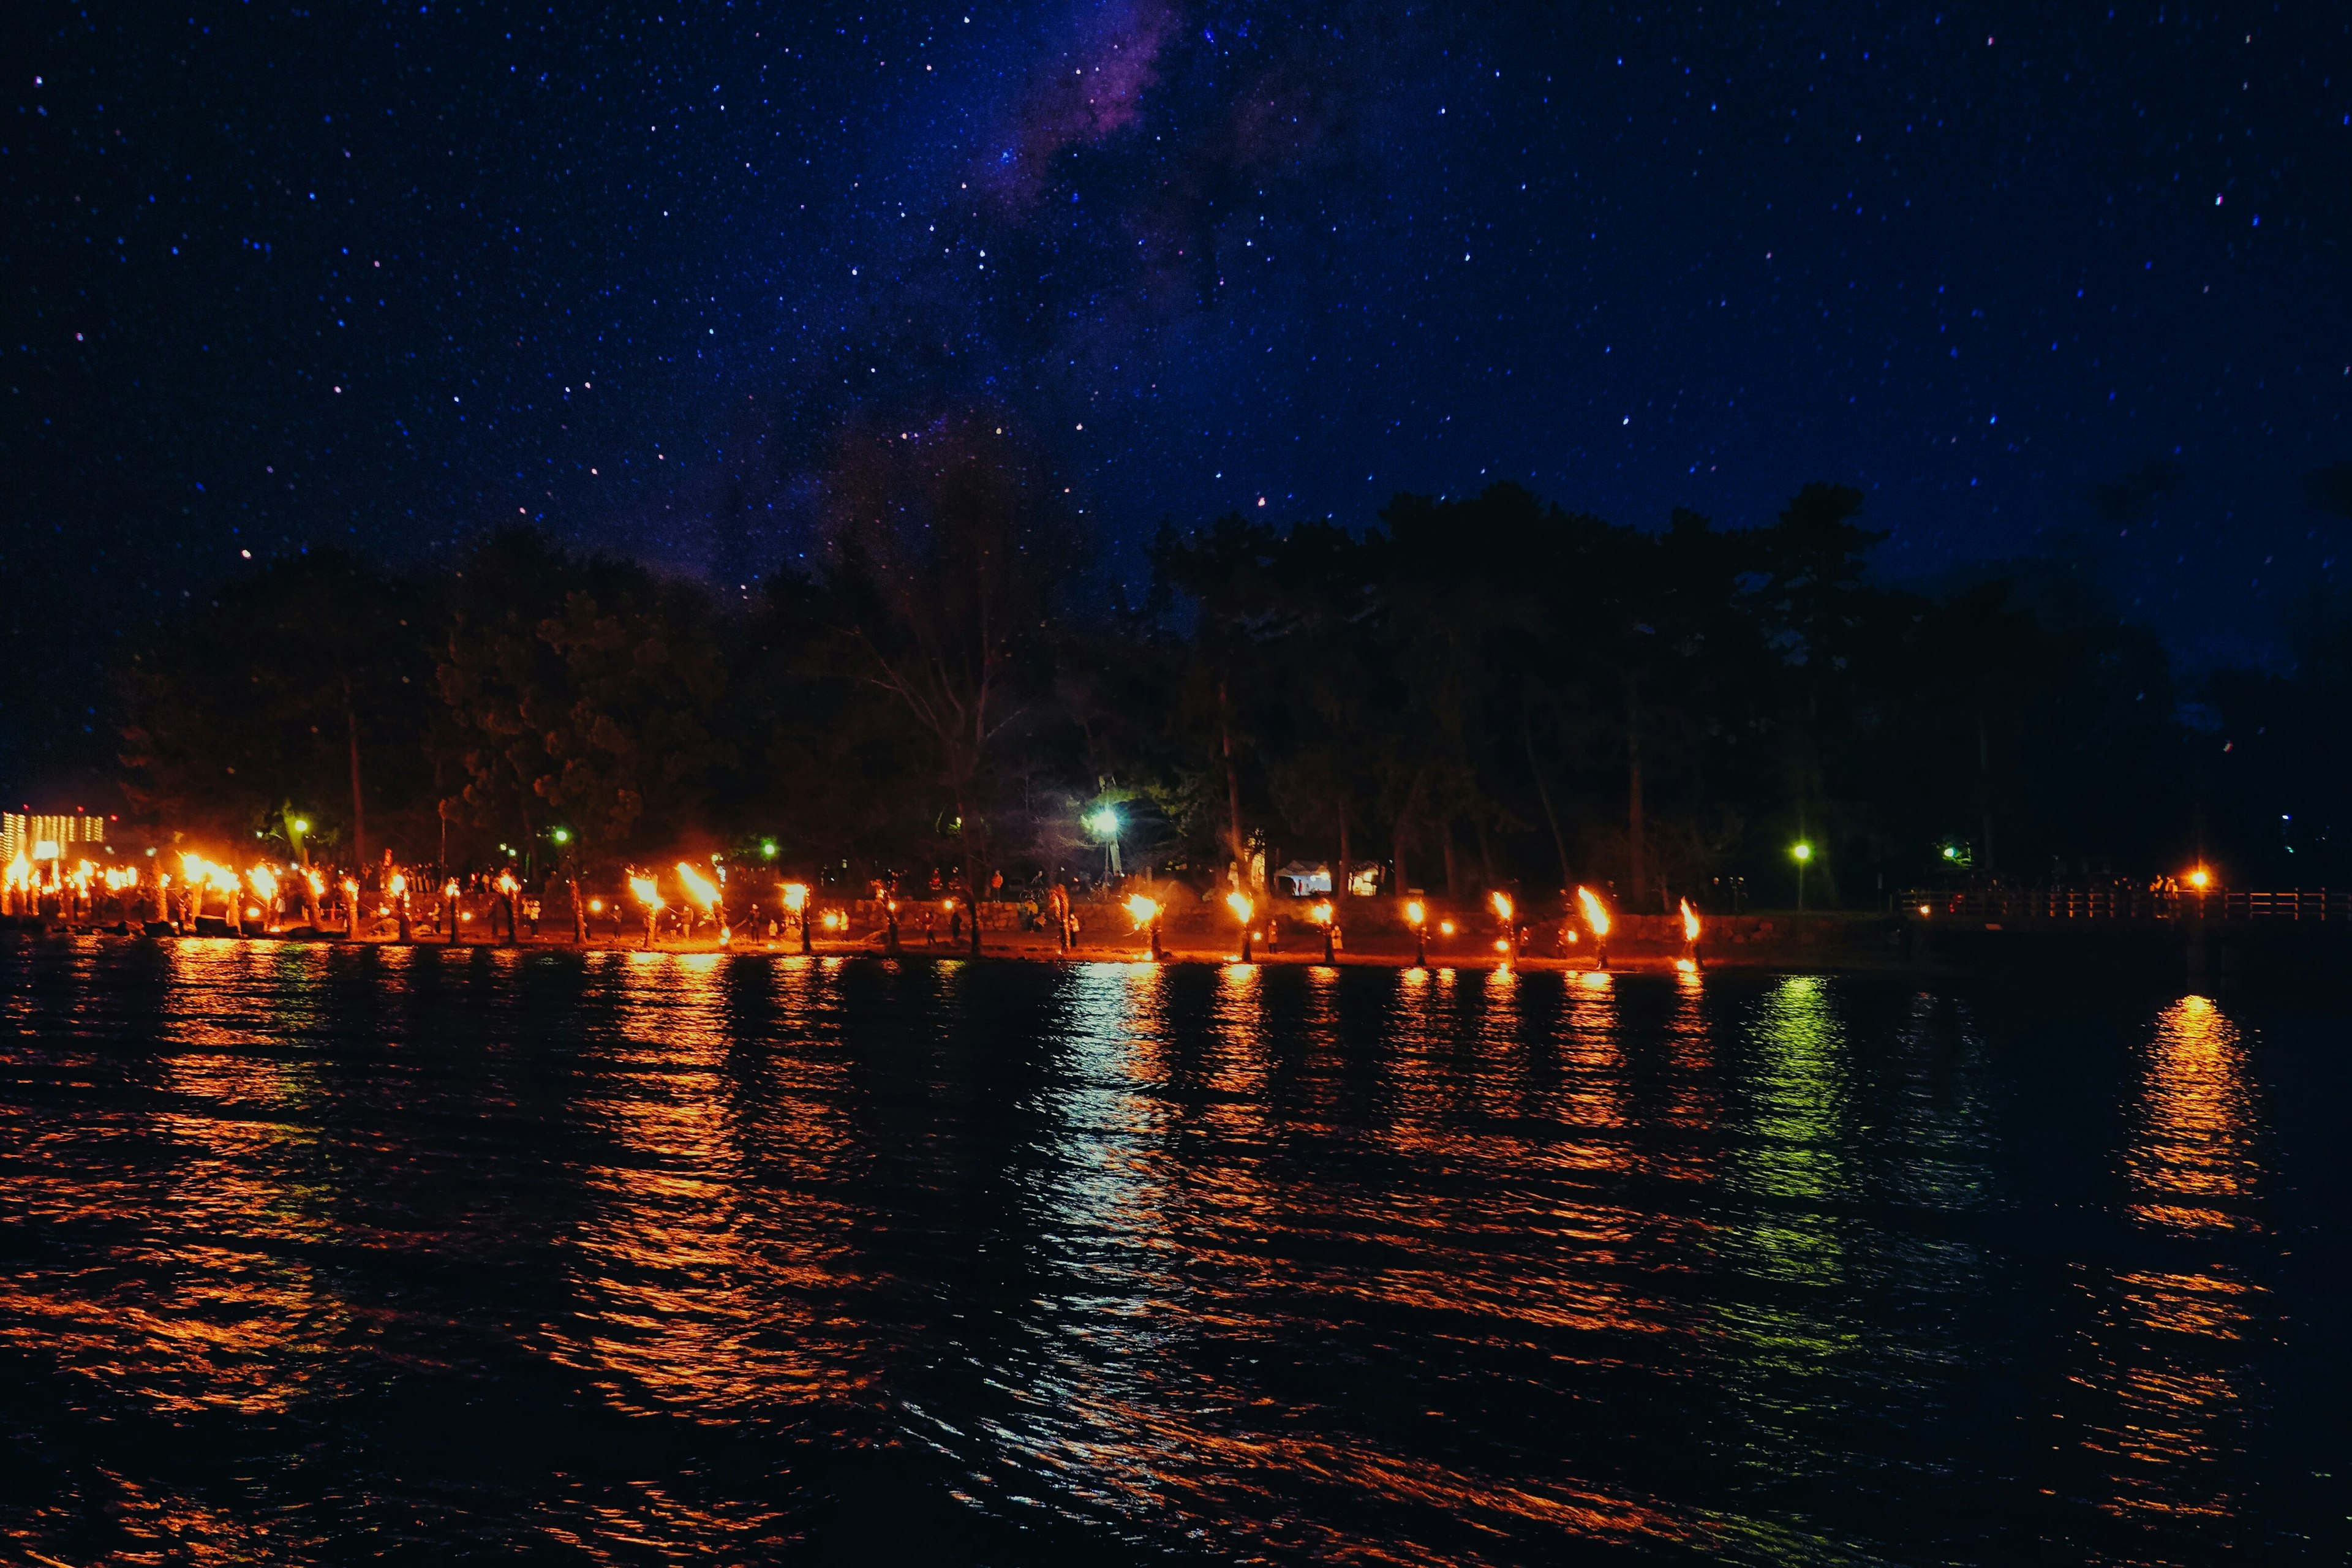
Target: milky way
279,277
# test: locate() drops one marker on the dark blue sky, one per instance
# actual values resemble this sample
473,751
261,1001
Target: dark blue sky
279,275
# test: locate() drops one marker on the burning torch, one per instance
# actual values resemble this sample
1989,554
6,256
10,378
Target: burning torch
796,898
1504,909
1239,903
1596,916
649,893
1689,961
701,891
1145,912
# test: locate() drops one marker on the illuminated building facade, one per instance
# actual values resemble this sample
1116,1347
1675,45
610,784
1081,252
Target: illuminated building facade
45,837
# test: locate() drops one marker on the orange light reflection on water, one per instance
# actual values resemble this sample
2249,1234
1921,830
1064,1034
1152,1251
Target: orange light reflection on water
2168,1345
696,1299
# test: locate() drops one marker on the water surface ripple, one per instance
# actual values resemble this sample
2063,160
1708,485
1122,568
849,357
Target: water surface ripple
316,1255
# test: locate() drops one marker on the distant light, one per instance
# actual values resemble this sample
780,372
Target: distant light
1103,823
301,825
1801,850
1949,853
561,834
768,847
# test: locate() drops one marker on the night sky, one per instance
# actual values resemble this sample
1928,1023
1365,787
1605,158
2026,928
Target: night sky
386,275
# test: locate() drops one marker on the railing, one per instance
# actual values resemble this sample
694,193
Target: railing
2058,906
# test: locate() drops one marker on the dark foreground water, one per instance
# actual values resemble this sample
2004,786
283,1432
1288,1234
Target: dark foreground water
312,1255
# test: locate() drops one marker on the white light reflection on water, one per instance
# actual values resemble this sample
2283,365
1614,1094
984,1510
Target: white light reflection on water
1193,1229
1084,1369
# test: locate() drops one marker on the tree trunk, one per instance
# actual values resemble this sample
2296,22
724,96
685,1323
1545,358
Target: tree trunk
1232,788
579,918
1340,884
1984,783
1637,859
971,872
359,812
1543,792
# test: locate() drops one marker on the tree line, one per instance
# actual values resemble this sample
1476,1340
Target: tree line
1489,691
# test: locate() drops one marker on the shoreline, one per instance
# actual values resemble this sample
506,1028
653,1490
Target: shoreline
1373,954
2312,956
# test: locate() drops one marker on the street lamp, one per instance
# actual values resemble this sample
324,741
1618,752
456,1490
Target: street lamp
1802,852
1104,823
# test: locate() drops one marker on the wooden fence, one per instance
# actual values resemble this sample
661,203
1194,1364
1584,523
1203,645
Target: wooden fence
2057,906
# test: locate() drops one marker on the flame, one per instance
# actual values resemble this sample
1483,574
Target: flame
1690,923
1321,914
699,887
450,888
1686,966
796,896
398,887
20,871
264,881
202,873
1241,906
1502,902
1143,911
1596,913
507,883
595,906
2200,878
835,919
1415,913
352,886
317,883
1446,928
648,892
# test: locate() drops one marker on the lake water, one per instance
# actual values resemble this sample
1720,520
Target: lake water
317,1255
